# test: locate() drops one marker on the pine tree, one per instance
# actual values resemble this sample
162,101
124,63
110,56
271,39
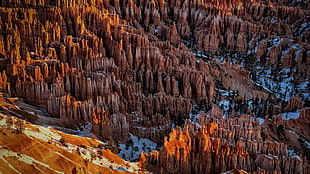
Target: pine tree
161,170
115,150
110,143
9,122
20,126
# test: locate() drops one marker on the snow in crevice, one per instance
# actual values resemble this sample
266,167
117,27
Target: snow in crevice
24,158
224,105
280,84
8,164
132,151
227,93
43,133
261,120
194,115
291,115
276,41
308,144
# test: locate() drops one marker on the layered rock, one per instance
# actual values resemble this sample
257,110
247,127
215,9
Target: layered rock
133,66
294,103
222,145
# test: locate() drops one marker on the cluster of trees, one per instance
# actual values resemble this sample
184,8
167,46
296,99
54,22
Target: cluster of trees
134,149
17,126
113,145
257,106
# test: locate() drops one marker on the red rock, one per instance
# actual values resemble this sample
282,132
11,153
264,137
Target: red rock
107,62
294,103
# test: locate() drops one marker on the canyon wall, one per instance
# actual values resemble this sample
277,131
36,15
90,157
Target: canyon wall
221,145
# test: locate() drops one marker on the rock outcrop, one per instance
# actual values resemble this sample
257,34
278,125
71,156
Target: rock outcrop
220,145
294,103
139,67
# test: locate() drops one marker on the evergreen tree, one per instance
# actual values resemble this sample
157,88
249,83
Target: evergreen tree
111,141
9,122
20,126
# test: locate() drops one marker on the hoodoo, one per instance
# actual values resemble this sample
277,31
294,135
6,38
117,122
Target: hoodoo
194,86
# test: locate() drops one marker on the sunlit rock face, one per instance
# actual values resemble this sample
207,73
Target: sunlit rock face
131,66
217,146
38,149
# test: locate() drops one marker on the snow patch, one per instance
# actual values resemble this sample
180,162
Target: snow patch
24,158
224,104
290,115
261,120
133,151
308,144
42,133
296,157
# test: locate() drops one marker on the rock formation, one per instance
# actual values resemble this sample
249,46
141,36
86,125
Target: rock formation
131,66
220,145
294,103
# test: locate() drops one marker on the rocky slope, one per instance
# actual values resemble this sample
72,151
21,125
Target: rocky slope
28,148
131,66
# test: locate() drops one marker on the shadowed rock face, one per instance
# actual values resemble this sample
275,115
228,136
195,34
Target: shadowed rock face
139,66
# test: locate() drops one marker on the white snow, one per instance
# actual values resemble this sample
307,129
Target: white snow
296,157
194,117
24,158
224,104
261,120
291,115
122,169
282,85
303,85
9,165
220,59
85,130
297,54
194,113
274,20
268,156
231,171
298,136
227,93
2,120
48,134
139,145
199,54
308,144
42,133
306,24
291,152
285,70
67,159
